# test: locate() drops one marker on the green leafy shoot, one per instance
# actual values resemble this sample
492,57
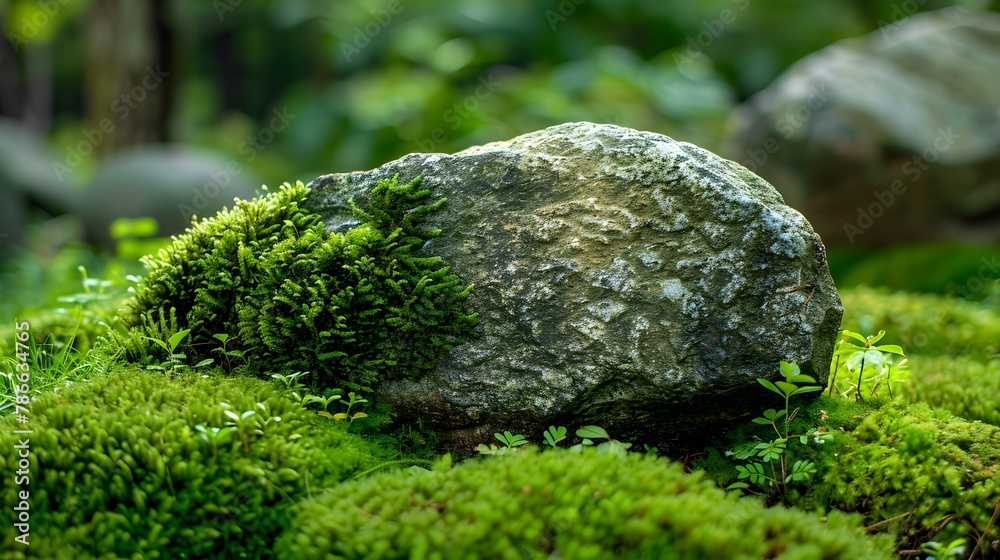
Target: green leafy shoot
611,445
175,359
769,467
510,441
214,436
868,354
941,551
554,435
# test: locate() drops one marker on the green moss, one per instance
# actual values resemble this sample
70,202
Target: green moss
933,472
353,308
118,468
952,347
925,324
560,504
965,387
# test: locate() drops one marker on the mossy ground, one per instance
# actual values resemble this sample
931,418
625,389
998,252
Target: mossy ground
924,465
122,469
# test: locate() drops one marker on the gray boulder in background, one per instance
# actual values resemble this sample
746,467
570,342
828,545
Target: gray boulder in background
27,182
890,137
622,279
169,183
166,182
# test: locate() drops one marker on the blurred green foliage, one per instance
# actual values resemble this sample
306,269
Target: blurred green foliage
371,80
965,271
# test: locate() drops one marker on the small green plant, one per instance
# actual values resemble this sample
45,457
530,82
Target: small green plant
510,441
353,399
176,359
227,352
214,436
939,551
772,471
243,424
325,401
868,354
554,435
291,380
610,445
94,291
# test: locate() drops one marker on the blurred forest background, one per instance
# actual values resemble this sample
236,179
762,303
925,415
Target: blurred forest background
239,93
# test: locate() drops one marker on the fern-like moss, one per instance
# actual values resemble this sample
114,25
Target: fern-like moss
353,308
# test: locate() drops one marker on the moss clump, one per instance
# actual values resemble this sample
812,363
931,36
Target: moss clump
925,324
964,387
353,308
952,346
934,473
119,469
560,504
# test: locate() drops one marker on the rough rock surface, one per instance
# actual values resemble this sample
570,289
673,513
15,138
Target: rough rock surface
622,279
890,137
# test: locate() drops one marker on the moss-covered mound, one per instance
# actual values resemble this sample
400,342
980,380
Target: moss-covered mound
132,466
917,473
953,346
935,474
924,323
561,504
965,387
352,307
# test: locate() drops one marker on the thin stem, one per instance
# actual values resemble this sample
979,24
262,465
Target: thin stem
787,418
860,373
982,538
833,380
871,528
390,463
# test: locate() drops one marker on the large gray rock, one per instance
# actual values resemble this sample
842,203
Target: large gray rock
622,279
890,137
